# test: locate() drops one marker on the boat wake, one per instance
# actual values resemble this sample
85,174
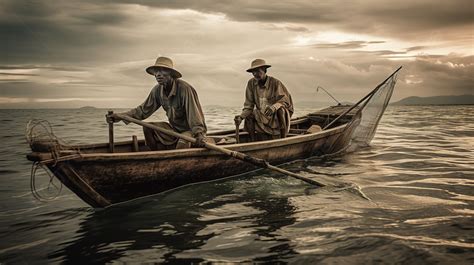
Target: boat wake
336,185
328,177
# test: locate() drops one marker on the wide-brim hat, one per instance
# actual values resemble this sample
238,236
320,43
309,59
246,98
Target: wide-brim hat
163,62
258,63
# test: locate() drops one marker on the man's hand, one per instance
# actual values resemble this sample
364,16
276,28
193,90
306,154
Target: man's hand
270,110
112,118
200,140
238,119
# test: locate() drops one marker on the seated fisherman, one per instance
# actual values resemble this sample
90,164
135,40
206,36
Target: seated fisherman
268,105
181,104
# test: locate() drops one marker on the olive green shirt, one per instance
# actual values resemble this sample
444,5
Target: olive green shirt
182,107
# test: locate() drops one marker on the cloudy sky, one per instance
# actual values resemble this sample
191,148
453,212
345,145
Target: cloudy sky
93,52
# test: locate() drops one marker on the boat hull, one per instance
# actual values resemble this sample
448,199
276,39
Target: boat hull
104,179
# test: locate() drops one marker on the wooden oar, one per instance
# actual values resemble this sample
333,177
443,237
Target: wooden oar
253,160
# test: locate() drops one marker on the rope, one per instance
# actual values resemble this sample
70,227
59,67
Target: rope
38,130
34,190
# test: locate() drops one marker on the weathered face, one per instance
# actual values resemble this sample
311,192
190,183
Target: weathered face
163,76
259,73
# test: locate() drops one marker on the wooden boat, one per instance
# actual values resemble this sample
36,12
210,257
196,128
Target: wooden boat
101,178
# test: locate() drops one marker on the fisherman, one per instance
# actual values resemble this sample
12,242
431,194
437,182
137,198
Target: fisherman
270,119
181,104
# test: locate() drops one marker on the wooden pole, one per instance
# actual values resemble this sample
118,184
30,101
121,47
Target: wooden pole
237,130
111,133
241,156
135,143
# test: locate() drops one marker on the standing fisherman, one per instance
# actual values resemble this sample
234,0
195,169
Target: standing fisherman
268,105
181,104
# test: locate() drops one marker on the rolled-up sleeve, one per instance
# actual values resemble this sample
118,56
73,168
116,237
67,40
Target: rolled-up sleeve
194,113
148,107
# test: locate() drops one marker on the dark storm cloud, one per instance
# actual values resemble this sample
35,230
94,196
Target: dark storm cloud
48,67
405,18
289,28
385,52
415,48
354,45
100,48
2,80
33,90
15,74
24,92
296,29
445,73
40,31
344,45
241,10
61,31
101,17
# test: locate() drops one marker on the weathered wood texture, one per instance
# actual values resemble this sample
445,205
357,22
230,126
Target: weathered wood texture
101,178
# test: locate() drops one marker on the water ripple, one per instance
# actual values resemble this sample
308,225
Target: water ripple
418,174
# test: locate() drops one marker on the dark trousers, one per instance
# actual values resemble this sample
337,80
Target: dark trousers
249,126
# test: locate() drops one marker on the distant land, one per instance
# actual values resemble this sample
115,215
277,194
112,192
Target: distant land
88,107
438,100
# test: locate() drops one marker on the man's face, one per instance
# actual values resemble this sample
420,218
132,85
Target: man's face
162,75
259,73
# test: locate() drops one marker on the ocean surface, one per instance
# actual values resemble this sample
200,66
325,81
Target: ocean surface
418,174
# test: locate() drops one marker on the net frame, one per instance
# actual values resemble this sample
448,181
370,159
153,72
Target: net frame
360,130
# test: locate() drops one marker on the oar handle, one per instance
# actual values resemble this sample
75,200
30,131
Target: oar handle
241,156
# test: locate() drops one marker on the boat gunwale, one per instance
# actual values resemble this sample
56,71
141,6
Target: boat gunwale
295,121
193,152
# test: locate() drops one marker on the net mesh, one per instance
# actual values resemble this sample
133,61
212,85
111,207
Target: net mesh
361,129
41,131
370,113
41,138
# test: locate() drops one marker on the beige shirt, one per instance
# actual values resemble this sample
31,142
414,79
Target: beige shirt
273,93
181,106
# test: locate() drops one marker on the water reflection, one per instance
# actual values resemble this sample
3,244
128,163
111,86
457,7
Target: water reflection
418,174
187,225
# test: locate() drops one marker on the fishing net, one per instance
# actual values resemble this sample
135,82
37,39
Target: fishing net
370,113
363,125
41,138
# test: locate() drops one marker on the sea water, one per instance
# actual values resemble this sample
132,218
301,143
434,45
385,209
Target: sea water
418,175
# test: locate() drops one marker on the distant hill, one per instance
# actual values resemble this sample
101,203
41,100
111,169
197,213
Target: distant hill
87,107
438,100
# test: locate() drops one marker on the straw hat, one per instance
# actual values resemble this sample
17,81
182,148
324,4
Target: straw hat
258,63
163,62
